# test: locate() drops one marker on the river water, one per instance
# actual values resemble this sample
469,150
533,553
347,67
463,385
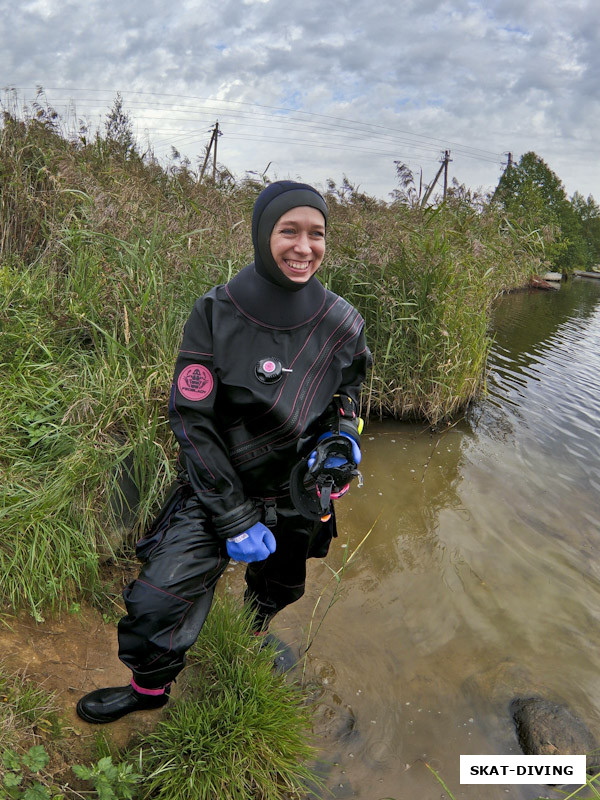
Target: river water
479,580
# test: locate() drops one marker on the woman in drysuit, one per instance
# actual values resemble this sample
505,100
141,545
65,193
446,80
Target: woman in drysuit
269,372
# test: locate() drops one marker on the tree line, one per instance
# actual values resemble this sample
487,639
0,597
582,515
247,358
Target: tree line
534,195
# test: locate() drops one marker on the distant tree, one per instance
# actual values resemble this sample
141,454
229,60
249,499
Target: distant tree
119,128
588,213
535,195
585,209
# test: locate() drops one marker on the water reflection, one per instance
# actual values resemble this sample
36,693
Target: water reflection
479,579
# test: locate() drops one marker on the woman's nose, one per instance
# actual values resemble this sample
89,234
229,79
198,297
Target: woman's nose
302,244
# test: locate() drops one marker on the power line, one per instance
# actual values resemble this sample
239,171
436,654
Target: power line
311,142
337,137
367,128
240,137
308,125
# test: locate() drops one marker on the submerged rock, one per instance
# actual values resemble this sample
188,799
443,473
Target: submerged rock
333,720
498,684
547,728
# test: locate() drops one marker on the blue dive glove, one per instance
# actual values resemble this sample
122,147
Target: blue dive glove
254,544
336,461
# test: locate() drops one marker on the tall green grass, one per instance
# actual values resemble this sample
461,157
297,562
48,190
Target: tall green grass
240,730
77,399
425,281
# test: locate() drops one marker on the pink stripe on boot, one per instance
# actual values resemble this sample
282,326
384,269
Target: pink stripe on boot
141,689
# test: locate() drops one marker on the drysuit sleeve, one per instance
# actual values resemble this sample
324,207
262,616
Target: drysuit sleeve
195,425
341,416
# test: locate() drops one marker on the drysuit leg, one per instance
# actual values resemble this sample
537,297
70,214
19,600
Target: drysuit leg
168,603
280,579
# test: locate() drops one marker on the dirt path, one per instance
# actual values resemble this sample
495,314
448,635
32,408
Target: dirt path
71,654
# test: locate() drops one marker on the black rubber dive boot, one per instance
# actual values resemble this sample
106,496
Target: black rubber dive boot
107,705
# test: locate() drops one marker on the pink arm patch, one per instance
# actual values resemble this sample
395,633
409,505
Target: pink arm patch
195,382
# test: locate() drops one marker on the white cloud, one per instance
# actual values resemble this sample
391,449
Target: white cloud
499,76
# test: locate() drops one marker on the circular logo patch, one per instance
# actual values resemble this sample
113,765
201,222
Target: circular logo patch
195,382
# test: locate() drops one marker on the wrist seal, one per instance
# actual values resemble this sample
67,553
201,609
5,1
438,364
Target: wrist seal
236,521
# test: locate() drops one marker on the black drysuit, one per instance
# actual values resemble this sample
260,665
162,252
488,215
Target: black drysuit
240,435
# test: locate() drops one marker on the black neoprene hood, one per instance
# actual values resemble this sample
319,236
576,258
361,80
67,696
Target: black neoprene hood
272,203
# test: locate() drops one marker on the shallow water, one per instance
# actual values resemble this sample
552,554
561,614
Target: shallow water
479,580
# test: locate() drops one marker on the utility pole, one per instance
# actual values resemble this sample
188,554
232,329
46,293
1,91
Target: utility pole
446,161
431,186
216,135
213,141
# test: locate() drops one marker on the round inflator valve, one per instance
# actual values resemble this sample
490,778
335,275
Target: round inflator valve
268,370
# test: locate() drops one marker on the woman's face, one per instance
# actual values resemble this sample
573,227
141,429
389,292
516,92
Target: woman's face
298,243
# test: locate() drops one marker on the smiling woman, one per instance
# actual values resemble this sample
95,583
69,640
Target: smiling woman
270,370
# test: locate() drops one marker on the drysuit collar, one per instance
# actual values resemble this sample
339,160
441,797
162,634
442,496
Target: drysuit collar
271,204
261,290
271,305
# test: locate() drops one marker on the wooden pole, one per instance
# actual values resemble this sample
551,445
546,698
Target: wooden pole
507,169
206,156
447,160
431,186
216,137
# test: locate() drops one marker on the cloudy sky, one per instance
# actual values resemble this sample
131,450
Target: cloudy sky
321,88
